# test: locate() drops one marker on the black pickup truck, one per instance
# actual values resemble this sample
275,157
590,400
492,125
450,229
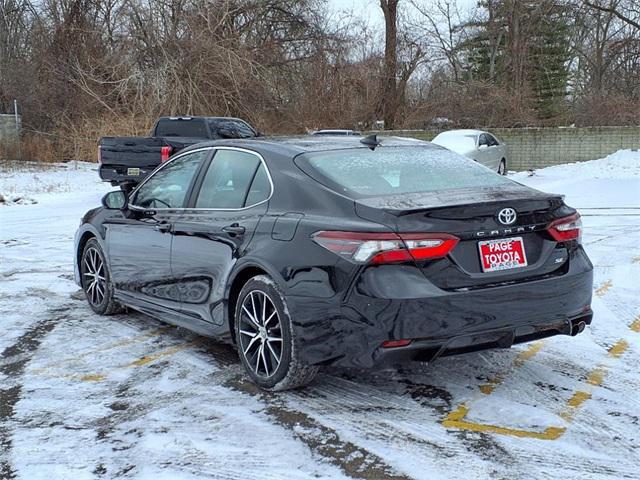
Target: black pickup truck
126,161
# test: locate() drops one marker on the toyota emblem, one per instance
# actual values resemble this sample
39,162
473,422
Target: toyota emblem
507,216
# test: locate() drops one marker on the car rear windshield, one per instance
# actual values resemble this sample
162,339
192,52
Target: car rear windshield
361,172
182,127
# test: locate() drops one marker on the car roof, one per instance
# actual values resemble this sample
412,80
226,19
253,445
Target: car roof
195,117
296,145
461,132
337,131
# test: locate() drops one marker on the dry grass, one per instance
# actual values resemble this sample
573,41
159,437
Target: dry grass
74,141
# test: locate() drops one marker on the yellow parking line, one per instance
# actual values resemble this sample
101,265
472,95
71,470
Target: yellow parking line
604,288
103,348
163,353
99,377
618,348
595,378
456,420
520,359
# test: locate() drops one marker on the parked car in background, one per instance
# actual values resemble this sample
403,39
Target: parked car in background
335,132
483,147
350,251
126,161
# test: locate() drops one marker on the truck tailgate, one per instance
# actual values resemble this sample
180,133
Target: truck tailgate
129,159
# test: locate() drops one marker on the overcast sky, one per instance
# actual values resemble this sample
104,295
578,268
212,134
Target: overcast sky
370,11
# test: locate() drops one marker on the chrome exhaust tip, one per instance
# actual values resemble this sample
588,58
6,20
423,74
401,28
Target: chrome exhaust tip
577,328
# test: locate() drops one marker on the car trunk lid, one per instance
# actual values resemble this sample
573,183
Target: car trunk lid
472,216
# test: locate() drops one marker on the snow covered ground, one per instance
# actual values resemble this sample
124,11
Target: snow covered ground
84,397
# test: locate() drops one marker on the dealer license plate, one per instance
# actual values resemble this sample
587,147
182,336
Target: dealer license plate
502,254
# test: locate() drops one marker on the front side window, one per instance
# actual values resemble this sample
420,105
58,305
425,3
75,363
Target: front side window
168,187
360,172
235,179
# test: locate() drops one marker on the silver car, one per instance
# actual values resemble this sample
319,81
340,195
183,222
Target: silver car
483,147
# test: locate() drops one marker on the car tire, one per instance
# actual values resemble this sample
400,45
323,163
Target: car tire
502,168
96,280
266,341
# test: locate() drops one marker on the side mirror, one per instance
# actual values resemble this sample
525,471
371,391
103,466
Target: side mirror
116,200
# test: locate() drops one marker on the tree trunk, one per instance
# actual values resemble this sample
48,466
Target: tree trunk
389,80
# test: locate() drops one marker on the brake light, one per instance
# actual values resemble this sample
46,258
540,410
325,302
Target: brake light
378,248
165,153
566,229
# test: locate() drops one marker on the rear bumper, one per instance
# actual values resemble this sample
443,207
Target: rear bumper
117,174
395,302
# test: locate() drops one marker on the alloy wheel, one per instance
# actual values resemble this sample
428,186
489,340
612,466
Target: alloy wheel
94,281
260,333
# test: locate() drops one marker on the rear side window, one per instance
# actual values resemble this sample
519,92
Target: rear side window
361,172
234,179
194,128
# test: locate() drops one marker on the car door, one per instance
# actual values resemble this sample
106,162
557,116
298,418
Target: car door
483,155
494,152
139,244
215,231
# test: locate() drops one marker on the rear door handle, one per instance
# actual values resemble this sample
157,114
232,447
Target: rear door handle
234,229
162,227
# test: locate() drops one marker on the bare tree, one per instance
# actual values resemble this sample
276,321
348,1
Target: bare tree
628,12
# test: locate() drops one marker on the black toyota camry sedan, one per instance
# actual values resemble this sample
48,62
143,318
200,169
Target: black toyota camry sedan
350,251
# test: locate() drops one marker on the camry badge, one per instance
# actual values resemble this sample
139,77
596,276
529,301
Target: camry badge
507,216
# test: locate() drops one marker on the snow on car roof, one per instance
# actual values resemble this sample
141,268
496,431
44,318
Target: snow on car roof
460,133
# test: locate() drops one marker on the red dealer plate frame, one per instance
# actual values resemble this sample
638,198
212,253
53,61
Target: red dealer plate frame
501,254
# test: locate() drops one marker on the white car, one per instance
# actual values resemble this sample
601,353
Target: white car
483,147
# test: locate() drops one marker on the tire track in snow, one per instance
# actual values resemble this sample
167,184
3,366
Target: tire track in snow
20,353
354,460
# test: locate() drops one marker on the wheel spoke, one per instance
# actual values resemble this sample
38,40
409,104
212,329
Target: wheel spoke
264,360
253,307
92,256
253,340
257,370
273,353
266,322
246,310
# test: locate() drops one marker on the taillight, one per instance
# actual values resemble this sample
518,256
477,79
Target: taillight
386,247
566,229
165,153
